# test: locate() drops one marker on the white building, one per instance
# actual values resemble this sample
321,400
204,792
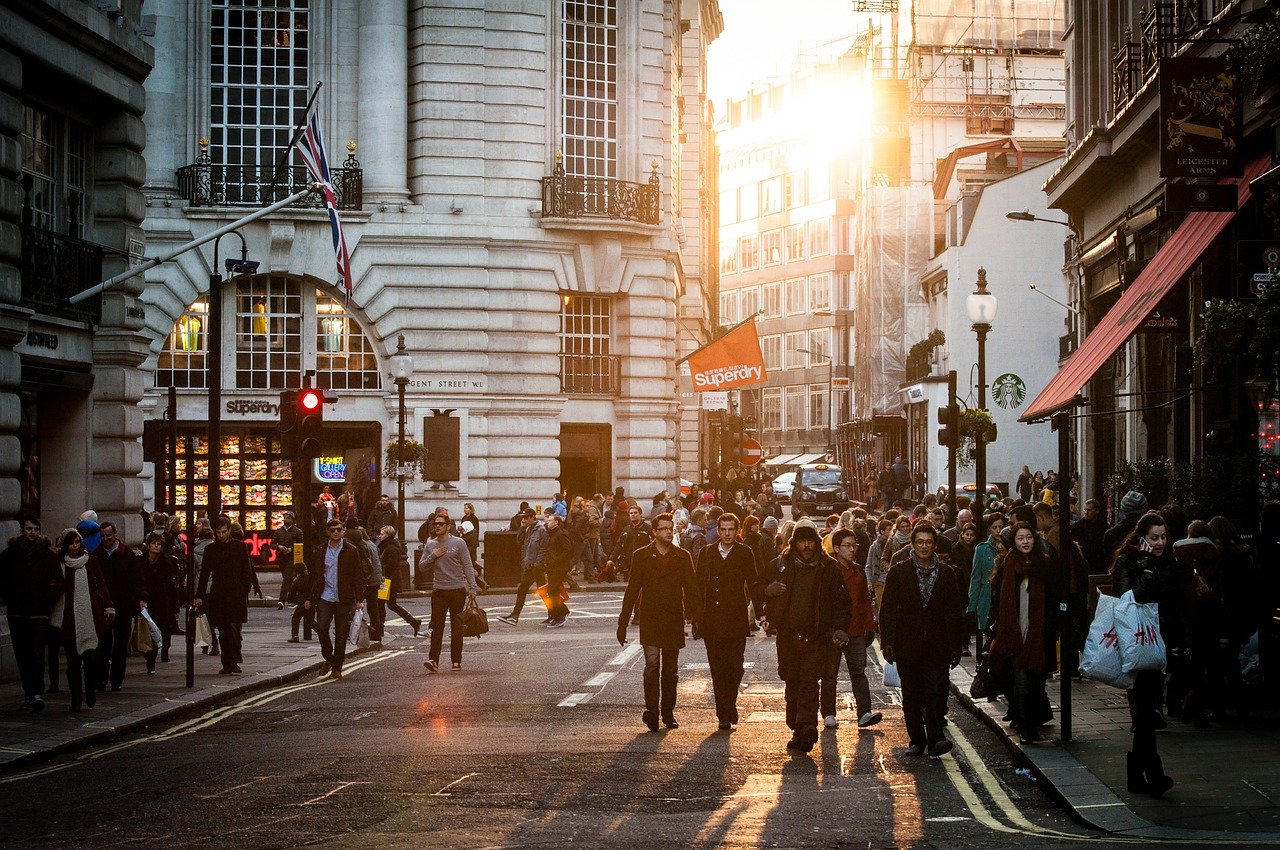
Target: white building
521,201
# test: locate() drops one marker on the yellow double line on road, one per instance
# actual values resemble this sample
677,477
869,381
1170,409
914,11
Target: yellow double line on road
209,718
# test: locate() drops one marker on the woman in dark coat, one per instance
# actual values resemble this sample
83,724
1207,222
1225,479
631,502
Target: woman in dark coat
80,615
660,589
1024,628
1145,565
162,576
395,566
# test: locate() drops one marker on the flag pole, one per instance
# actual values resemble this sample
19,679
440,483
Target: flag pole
750,318
297,134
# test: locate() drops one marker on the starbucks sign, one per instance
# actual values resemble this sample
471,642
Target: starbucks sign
1009,391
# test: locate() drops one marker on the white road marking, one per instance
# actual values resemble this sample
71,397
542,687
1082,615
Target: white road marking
600,679
573,699
628,652
442,791
341,787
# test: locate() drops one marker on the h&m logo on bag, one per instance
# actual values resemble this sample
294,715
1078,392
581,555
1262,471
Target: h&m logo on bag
1146,635
1109,639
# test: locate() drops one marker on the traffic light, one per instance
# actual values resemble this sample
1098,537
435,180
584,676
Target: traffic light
949,426
310,412
288,422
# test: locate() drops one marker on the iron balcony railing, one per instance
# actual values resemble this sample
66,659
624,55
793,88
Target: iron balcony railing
55,267
568,196
590,374
1134,61
204,184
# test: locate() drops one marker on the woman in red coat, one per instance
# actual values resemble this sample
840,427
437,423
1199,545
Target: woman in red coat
1022,629
80,615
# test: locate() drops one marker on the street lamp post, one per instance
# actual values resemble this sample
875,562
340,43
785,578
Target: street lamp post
830,393
401,370
981,306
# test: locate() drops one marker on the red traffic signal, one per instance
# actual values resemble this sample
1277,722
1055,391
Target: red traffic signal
310,400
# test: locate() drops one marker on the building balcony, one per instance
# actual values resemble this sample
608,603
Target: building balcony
590,374
569,197
54,267
205,184
1135,61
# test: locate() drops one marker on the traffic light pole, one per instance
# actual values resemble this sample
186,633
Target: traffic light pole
951,451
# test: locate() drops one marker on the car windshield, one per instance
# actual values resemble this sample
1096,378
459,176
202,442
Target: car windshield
820,477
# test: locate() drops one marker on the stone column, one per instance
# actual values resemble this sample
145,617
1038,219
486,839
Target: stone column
166,88
384,97
13,319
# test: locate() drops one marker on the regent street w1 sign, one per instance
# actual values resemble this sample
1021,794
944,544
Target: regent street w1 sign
1201,118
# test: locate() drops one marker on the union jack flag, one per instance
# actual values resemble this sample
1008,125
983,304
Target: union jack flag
311,149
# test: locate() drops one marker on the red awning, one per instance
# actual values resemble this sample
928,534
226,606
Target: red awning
1174,259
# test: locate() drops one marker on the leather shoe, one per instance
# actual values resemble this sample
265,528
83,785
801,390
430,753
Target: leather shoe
726,727
916,750
650,719
670,723
939,748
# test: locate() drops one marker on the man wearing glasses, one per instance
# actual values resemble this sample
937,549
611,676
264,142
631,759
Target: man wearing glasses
455,585
861,631
337,587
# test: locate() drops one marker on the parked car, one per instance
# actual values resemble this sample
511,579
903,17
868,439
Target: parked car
782,485
971,490
820,489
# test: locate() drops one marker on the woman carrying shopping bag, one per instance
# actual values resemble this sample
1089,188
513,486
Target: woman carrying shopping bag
80,615
1145,565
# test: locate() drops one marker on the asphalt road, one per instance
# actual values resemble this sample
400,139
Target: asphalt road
536,742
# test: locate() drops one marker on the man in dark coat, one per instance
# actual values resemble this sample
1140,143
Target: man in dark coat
634,536
559,563
728,580
283,542
337,586
922,631
128,588
227,577
807,603
1088,532
663,587
30,582
380,515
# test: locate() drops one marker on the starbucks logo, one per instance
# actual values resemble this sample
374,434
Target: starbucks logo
1009,391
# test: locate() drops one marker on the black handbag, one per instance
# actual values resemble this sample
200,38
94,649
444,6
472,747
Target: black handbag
474,621
993,677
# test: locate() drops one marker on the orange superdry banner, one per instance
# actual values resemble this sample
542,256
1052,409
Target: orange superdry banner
734,360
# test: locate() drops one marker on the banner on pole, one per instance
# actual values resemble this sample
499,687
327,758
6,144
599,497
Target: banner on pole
734,360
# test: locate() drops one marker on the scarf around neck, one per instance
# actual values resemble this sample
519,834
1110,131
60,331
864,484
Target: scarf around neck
86,631
1028,651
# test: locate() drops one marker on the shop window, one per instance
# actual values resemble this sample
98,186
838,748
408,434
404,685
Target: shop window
344,356
255,481
182,360
268,332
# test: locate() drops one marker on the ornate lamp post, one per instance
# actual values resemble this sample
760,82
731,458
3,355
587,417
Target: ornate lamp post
981,306
401,369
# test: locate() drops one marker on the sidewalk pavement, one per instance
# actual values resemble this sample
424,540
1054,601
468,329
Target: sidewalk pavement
269,660
1227,777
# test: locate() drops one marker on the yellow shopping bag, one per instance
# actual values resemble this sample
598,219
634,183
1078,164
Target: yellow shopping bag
384,592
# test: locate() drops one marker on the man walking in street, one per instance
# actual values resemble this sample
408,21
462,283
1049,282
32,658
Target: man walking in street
808,605
381,514
861,631
337,587
661,588
455,585
226,577
636,535
559,563
122,571
922,631
286,536
532,542
31,580
727,582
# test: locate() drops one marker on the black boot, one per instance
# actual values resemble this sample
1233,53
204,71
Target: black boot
1133,767
1157,781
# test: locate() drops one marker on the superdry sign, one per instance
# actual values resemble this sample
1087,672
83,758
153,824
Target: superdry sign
734,360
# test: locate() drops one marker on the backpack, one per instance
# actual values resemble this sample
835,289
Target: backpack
366,565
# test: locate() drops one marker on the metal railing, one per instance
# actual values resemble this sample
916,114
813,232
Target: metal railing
204,184
590,374
567,196
1133,62
54,267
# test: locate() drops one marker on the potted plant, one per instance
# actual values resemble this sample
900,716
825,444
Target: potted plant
410,453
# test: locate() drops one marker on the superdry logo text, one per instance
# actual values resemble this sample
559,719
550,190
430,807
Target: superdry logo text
720,376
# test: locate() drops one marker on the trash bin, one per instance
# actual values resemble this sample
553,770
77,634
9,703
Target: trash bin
501,559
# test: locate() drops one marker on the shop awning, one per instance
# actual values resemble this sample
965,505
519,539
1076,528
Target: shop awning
801,460
1122,321
780,460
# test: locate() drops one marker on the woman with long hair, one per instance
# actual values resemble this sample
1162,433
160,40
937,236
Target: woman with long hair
1023,630
160,571
395,566
1145,564
80,615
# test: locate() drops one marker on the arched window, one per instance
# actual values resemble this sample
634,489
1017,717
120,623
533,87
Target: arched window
281,326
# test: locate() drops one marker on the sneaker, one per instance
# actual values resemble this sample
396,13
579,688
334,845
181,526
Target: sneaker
939,749
509,620
916,750
871,718
556,624
336,674
457,665
324,670
279,606
37,704
726,727
432,666
830,721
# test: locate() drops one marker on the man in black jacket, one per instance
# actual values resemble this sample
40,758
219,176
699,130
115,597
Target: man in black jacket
728,580
337,587
30,582
559,562
922,631
283,542
807,603
222,592
636,535
128,588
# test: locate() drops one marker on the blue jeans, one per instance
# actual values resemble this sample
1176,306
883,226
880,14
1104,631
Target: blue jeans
338,613
854,654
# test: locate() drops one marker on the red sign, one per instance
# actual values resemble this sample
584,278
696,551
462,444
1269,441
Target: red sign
750,453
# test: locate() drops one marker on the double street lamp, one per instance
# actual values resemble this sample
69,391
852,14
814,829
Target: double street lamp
981,307
401,370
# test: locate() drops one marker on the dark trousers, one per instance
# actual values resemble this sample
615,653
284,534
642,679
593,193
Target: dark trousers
232,635
1147,691
395,606
447,602
166,625
529,579
854,654
923,691
29,650
377,614
334,650
287,573
661,672
113,652
801,665
557,609
724,656
304,616
77,684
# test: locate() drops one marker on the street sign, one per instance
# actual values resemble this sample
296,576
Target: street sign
751,452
